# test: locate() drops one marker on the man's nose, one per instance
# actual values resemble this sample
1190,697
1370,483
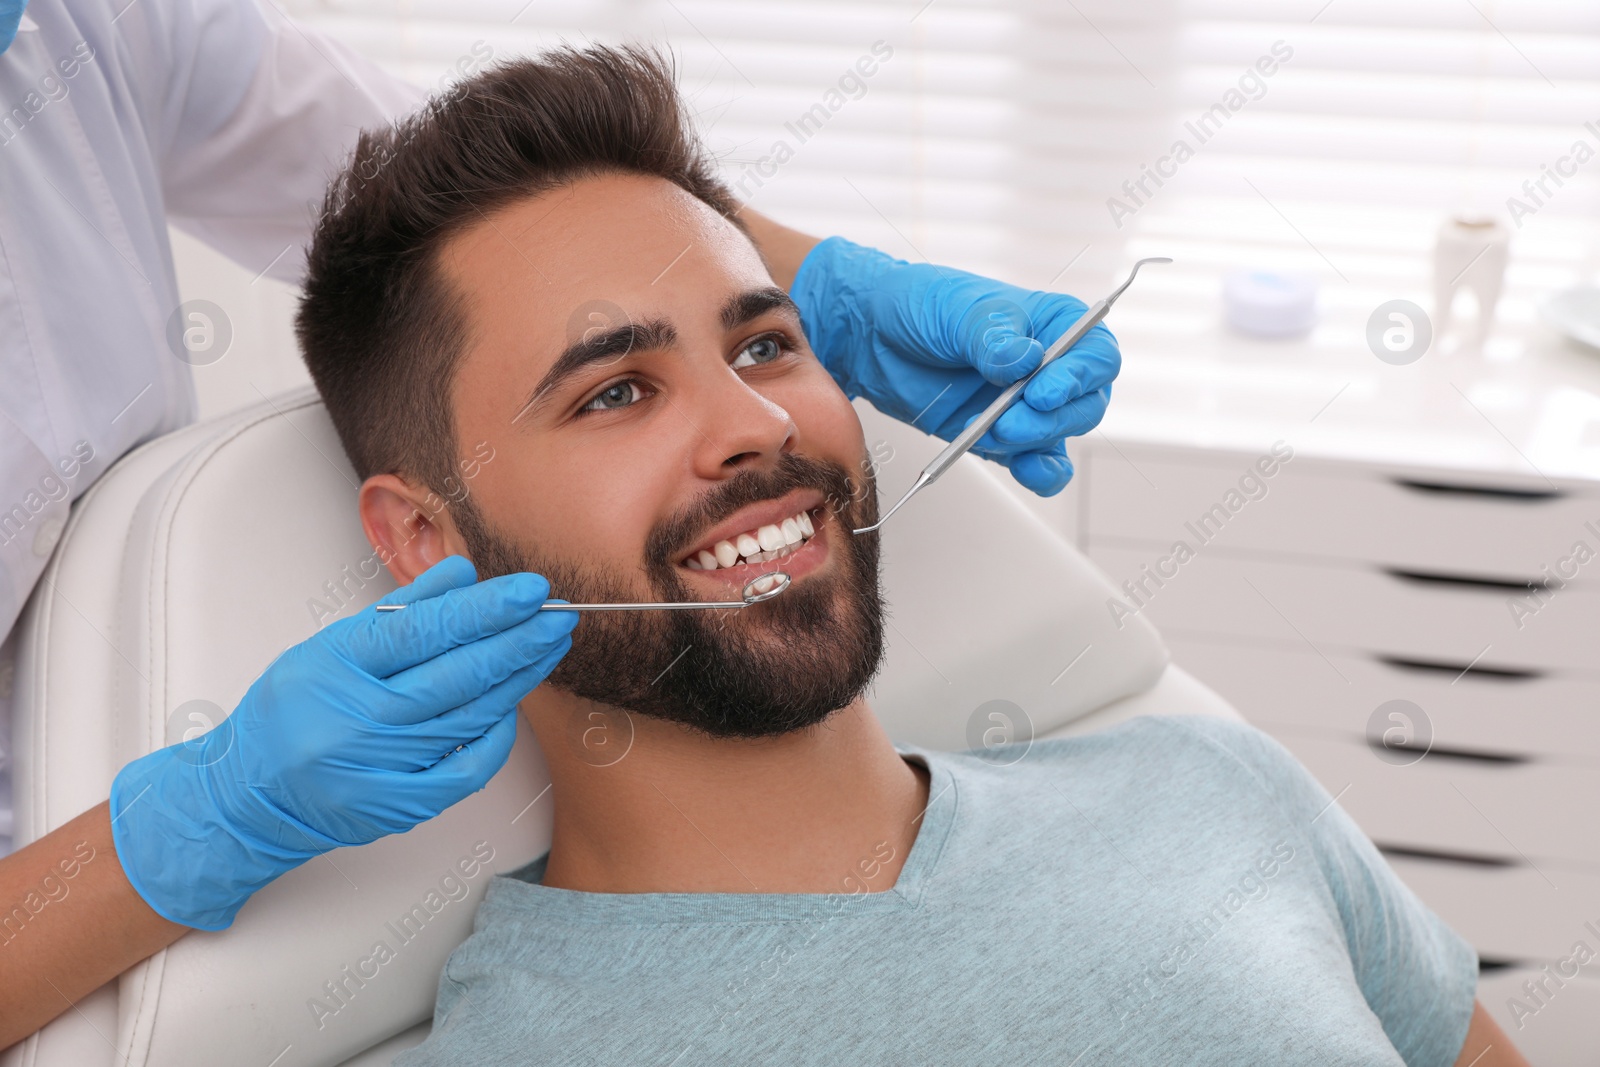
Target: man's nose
737,425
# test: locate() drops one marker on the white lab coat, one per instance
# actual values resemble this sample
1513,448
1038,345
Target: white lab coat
117,116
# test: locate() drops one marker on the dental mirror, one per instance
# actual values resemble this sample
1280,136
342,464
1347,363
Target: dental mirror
777,581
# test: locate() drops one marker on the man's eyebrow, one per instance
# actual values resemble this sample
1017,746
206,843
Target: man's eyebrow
742,307
599,346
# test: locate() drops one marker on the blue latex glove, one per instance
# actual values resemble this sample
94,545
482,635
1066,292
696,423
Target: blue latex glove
347,737
10,19
932,346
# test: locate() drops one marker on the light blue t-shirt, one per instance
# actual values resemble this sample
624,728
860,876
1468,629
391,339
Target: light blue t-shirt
1174,889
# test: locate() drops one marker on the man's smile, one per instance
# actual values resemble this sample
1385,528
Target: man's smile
787,534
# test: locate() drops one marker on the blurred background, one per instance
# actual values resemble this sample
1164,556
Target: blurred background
997,132
1383,217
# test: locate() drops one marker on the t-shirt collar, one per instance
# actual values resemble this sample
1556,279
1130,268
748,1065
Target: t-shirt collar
520,889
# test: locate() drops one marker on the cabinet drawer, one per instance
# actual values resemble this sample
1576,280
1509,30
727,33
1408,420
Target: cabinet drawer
1519,813
1532,714
1354,608
1427,522
1508,913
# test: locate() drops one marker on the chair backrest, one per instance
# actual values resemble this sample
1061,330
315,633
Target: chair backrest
201,556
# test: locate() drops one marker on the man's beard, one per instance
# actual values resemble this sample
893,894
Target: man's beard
768,669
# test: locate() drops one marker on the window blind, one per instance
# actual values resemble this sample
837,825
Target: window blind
986,135
1025,138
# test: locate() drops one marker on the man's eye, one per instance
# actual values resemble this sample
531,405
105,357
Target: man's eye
616,395
761,350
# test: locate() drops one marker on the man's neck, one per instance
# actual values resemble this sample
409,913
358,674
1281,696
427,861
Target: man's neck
831,809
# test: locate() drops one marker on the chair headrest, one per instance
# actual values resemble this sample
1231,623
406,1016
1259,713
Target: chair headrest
200,557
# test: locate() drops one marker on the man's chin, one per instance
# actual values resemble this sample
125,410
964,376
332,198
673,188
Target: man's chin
768,669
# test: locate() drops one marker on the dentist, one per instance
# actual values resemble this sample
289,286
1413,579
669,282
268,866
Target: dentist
225,119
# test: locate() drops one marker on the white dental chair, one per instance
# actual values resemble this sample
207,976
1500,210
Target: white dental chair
196,560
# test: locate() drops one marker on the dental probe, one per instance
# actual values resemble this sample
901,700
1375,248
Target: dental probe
969,437
749,598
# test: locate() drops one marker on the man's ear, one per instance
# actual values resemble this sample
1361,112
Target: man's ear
409,527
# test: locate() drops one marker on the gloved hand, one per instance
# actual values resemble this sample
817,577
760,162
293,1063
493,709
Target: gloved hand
10,19
346,737
933,346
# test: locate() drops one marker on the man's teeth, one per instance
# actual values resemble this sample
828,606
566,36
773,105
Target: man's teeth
773,541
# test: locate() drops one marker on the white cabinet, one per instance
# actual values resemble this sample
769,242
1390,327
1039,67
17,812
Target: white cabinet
1313,596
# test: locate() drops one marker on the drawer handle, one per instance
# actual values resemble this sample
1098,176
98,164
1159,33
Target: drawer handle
1502,759
1521,496
1499,585
1456,670
1471,858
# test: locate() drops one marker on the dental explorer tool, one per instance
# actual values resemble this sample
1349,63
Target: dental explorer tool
749,597
969,437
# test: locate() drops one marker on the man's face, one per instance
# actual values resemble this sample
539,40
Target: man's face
652,401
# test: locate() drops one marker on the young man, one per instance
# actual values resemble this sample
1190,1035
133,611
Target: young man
752,871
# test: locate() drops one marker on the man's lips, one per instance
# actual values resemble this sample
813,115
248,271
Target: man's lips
797,564
795,526
760,528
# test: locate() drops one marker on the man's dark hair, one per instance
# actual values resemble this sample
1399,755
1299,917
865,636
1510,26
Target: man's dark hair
380,328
